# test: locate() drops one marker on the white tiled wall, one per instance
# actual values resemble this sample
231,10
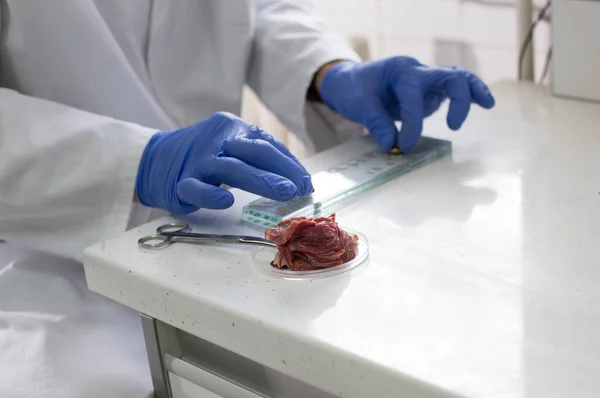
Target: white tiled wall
476,34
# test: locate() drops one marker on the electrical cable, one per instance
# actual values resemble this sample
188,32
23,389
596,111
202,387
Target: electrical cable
546,65
540,17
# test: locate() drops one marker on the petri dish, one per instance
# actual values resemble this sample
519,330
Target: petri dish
261,257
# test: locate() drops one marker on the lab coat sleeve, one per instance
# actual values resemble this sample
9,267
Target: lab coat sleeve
291,43
66,176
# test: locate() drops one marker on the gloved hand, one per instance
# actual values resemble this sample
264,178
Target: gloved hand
181,171
375,94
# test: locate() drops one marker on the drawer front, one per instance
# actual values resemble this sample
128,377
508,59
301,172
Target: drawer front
191,380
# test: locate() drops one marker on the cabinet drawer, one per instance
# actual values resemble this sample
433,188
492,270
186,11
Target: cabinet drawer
192,381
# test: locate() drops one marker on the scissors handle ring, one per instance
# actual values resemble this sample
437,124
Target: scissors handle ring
155,241
173,227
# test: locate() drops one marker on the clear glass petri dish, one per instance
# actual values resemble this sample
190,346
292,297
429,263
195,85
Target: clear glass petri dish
261,257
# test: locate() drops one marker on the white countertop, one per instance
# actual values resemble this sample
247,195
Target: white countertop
484,274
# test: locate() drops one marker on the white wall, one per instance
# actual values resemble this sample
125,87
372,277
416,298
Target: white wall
476,34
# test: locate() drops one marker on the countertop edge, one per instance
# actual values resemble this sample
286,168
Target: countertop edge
232,331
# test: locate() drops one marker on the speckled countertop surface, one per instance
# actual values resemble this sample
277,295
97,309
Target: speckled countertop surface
482,281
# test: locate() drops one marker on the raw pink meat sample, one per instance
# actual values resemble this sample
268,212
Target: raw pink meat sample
311,243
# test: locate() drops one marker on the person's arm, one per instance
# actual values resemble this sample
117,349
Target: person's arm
291,45
67,177
293,49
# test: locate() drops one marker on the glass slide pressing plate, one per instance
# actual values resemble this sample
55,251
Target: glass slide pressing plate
342,182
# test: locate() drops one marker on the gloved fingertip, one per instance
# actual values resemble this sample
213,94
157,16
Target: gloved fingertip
407,142
386,141
222,200
406,147
491,101
286,191
454,124
481,94
307,187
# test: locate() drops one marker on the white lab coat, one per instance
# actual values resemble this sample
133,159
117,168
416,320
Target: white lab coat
85,83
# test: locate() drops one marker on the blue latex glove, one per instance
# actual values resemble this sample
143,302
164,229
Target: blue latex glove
375,94
181,171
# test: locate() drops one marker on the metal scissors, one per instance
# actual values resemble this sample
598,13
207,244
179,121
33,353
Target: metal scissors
174,232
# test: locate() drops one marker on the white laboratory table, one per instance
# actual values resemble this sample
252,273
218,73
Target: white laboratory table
483,278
